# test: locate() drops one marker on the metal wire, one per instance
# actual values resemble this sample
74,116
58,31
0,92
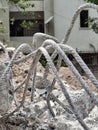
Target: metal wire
60,49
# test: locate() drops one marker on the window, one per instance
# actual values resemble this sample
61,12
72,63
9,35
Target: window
83,19
17,30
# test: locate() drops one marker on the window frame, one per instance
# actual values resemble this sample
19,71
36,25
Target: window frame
39,26
83,28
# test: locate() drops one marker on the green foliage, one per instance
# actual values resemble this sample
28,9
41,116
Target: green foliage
26,24
1,27
12,20
23,5
13,1
93,22
92,1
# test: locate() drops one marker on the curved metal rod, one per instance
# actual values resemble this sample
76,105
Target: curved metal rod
49,105
17,61
39,38
20,85
82,7
31,70
10,77
48,58
52,85
41,51
88,72
13,58
72,68
5,50
33,66
60,103
33,85
4,76
23,98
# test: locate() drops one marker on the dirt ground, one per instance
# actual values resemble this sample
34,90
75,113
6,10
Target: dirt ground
21,70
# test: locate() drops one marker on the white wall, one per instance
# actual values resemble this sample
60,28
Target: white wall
16,41
48,14
80,38
4,18
48,9
63,10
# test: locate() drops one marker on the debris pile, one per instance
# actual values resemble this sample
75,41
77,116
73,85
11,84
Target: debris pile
36,115
34,97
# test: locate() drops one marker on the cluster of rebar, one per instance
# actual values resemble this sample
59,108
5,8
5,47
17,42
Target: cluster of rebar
60,49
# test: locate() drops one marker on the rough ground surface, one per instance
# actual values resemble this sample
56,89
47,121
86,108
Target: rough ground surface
36,116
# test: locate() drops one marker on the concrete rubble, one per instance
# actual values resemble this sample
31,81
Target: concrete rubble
36,116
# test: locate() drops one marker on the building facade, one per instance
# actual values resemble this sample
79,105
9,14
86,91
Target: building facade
82,37
52,17
33,16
